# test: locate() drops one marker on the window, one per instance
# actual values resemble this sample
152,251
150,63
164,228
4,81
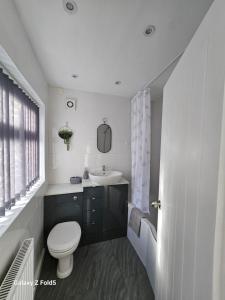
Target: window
19,143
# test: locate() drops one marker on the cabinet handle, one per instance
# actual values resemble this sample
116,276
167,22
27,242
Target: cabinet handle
75,198
93,198
93,210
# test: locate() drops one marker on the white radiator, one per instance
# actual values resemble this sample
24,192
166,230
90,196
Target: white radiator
19,281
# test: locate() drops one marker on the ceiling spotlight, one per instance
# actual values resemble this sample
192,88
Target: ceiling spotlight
118,82
150,29
70,6
75,76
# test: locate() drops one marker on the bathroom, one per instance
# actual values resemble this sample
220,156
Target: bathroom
112,150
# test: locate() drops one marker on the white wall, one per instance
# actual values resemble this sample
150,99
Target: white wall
91,108
30,222
14,40
190,152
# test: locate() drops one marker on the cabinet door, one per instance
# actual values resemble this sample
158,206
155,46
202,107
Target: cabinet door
62,208
93,197
115,208
92,214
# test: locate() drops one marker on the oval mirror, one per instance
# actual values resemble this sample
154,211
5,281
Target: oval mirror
104,138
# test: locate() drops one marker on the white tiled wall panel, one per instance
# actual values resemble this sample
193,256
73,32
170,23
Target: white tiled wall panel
91,109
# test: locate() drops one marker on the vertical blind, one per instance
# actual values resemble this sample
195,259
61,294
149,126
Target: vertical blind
19,143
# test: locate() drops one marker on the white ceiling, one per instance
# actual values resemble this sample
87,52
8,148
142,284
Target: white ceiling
104,42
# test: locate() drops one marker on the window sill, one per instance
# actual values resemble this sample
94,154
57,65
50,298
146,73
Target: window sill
11,215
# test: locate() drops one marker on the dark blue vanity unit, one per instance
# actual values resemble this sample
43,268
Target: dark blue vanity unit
101,211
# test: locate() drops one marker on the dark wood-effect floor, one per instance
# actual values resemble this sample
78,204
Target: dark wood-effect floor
108,270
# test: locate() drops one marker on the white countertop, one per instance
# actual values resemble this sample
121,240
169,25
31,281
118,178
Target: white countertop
68,188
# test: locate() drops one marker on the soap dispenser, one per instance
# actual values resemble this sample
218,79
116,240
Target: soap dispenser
86,174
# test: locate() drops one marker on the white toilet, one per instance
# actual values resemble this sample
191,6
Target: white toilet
62,242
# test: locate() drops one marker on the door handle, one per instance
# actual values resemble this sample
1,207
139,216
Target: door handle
156,204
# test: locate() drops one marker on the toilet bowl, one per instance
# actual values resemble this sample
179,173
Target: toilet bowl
62,241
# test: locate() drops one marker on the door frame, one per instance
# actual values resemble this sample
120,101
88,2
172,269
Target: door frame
219,245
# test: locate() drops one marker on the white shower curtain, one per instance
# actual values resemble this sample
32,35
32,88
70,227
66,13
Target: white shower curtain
140,149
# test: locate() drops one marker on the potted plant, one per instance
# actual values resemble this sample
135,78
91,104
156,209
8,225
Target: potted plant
66,133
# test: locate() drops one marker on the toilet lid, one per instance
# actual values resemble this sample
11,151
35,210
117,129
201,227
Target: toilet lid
64,236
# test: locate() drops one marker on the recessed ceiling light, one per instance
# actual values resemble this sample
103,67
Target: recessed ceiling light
150,29
75,76
118,82
70,6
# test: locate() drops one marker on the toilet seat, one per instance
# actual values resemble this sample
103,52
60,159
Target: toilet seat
64,237
53,251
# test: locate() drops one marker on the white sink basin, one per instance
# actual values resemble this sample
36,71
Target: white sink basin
105,177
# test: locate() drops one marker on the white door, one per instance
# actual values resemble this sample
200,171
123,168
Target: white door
191,135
